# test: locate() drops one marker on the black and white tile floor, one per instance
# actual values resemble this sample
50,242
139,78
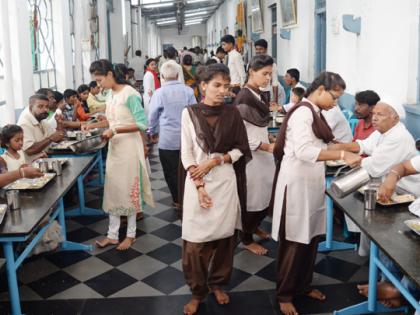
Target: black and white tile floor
147,279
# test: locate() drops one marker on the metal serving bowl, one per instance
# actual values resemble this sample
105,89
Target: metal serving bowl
86,145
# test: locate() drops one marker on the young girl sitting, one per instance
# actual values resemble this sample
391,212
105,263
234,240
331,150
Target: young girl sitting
12,141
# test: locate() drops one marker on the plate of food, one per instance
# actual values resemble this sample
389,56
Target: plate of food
63,145
414,225
336,163
399,197
31,183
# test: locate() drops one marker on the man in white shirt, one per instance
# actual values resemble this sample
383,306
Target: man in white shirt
37,133
171,54
137,63
235,63
338,124
390,144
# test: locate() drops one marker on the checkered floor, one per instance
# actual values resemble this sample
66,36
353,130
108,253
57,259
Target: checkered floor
148,279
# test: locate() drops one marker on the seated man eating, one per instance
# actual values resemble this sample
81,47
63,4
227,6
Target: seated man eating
390,144
37,132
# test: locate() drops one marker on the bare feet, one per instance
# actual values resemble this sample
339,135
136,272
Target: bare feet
288,308
106,242
262,234
256,249
192,307
126,243
316,295
393,303
385,291
221,297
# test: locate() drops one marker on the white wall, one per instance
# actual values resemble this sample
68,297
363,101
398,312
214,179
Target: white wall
384,56
170,35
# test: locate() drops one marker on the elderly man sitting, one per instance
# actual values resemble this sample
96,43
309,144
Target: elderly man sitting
389,144
36,130
166,108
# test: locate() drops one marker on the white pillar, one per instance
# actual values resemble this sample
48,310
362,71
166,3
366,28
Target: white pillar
103,30
17,56
62,45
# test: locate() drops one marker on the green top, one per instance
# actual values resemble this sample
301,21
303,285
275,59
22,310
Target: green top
134,105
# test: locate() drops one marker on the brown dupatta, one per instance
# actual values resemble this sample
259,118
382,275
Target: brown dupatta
220,129
320,128
253,110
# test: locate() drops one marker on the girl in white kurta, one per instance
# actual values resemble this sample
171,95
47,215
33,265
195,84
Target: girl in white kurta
150,83
214,151
254,109
299,197
11,139
127,183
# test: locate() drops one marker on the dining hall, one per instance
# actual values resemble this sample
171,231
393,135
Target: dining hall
209,157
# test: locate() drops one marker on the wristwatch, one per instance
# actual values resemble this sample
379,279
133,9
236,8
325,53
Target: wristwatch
114,130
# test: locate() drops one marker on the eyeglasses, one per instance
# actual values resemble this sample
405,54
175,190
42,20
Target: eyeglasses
333,96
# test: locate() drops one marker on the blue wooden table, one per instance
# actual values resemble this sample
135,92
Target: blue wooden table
387,231
36,206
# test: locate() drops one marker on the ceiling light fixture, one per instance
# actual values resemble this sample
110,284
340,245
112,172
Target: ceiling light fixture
195,1
196,13
158,5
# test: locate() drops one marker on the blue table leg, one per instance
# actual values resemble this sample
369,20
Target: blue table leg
100,164
12,278
371,305
82,210
67,245
329,244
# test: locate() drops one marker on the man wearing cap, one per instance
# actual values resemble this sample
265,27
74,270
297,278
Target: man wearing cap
390,144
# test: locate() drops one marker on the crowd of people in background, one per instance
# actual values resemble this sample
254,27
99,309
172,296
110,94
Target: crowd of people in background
229,179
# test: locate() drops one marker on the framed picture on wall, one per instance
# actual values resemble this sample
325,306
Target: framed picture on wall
288,13
257,25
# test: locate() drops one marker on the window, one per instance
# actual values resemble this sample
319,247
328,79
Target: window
320,37
274,32
42,43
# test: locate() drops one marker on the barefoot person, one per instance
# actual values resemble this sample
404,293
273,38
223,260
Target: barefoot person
254,109
214,151
299,189
127,183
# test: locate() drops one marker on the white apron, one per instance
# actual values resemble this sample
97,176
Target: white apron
259,171
305,181
203,225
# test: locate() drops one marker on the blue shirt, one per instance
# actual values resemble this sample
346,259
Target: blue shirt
165,109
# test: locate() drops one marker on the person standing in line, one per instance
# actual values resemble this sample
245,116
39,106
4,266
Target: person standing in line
298,198
235,63
166,108
214,153
255,112
127,183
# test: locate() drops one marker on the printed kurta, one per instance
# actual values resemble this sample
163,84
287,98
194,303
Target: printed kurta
127,182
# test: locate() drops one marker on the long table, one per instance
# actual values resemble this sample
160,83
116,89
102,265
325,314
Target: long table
98,163
387,231
36,206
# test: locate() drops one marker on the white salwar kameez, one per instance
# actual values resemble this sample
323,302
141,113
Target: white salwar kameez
220,221
304,178
148,87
